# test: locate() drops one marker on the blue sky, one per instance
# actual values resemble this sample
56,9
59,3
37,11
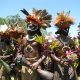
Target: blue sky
12,7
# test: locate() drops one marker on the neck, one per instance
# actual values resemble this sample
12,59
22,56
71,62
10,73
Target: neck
64,40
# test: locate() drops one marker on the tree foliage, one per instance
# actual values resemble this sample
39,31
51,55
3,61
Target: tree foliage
12,20
2,21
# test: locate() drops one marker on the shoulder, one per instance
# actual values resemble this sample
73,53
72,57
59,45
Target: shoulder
24,40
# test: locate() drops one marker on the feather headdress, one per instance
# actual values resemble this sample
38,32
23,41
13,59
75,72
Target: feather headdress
40,17
63,20
3,31
14,32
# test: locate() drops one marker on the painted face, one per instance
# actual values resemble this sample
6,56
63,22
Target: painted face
32,28
63,32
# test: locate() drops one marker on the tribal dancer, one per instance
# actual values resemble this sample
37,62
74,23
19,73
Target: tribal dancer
78,51
10,38
62,56
32,49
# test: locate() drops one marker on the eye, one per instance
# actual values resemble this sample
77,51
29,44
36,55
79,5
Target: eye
32,27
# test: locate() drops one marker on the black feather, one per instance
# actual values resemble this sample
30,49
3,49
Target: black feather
25,12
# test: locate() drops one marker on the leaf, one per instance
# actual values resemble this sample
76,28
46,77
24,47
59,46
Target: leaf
40,39
54,44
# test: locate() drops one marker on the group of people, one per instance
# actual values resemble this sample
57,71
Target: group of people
30,55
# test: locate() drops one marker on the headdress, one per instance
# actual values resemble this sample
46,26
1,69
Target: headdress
16,32
63,21
40,17
12,33
3,31
35,21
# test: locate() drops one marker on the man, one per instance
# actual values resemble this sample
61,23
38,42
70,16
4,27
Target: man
62,68
32,49
78,51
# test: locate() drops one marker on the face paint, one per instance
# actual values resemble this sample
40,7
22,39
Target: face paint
32,27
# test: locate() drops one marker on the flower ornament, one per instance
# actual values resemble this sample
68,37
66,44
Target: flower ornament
69,53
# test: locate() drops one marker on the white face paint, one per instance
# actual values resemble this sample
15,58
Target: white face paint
32,27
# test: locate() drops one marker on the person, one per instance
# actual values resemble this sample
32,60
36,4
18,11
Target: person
78,51
10,39
4,57
32,49
63,69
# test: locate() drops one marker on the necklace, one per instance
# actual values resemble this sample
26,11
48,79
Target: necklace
64,41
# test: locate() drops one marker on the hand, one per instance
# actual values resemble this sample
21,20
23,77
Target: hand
34,65
64,63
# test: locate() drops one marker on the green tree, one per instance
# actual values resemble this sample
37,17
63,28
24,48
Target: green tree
2,21
12,19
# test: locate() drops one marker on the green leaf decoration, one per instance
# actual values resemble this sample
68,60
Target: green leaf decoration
5,65
74,43
75,64
54,44
40,39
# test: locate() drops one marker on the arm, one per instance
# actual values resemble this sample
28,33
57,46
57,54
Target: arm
61,61
36,64
6,56
41,59
54,57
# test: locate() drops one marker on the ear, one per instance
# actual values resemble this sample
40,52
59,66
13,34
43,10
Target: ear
25,12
